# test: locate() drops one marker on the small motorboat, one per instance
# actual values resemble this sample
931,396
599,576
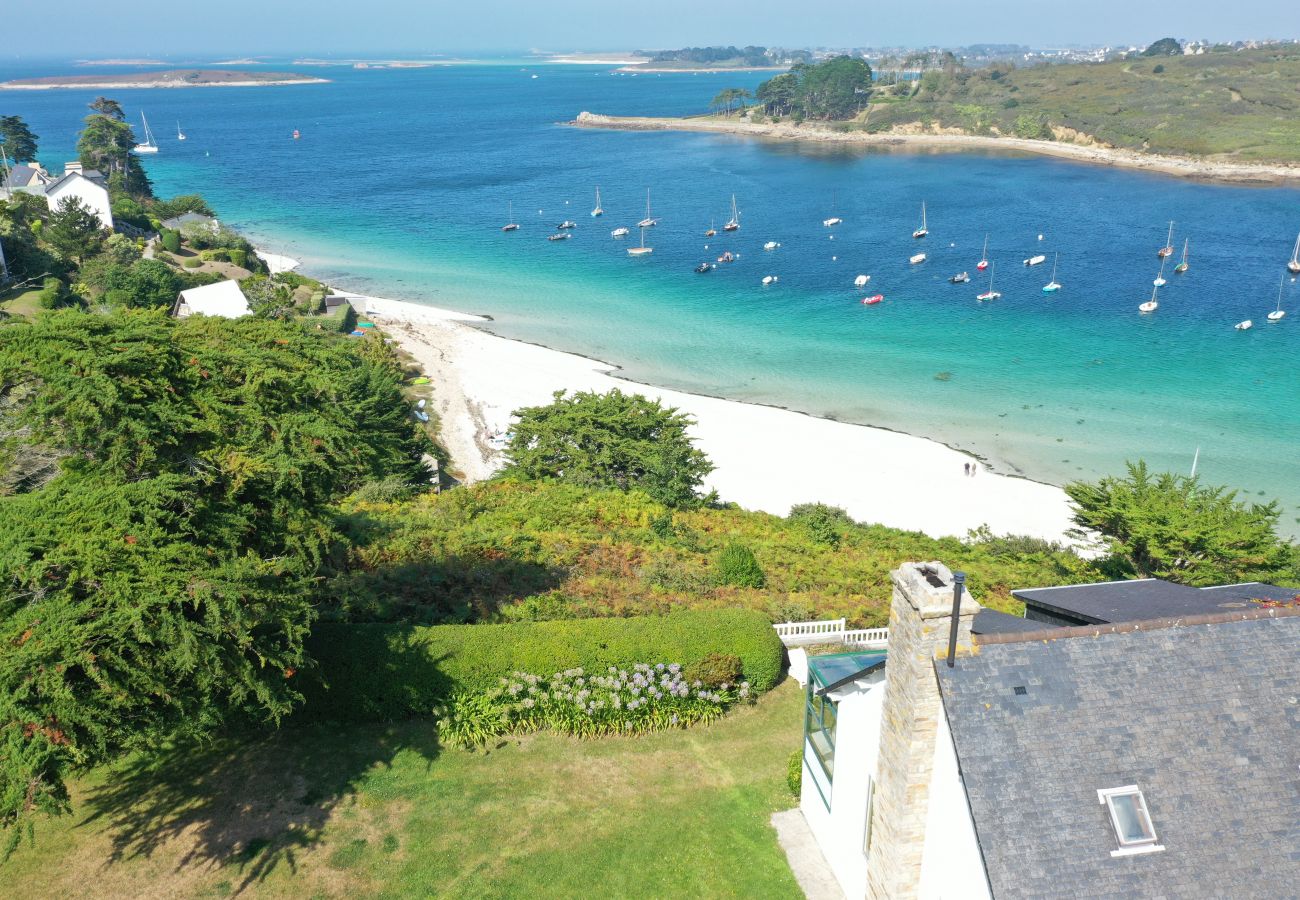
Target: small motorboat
566,224
832,221
771,245
861,280
959,278
620,232
918,258
770,279
1036,260
727,257
1245,325
872,300
705,267
560,236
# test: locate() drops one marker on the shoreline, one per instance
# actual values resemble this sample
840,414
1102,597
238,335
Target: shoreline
768,458
170,83
1231,173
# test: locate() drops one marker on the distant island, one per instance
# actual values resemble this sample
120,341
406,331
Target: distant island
1230,115
172,78
715,59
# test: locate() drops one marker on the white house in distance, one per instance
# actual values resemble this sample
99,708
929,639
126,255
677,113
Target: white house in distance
1134,738
223,299
86,186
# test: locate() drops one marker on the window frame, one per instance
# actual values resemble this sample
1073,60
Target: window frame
815,705
1128,847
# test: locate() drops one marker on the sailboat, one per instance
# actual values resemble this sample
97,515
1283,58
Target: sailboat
990,294
597,211
149,145
511,224
1168,248
1182,266
647,222
712,230
984,256
180,135
923,230
1294,265
1278,314
1053,286
732,224
643,249
1150,305
1160,279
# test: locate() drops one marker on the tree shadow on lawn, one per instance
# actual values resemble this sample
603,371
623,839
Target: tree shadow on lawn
254,799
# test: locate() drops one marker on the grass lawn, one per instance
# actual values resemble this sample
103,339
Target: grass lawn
26,304
383,811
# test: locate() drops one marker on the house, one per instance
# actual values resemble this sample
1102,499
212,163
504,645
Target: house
87,186
1138,757
25,178
223,299
198,220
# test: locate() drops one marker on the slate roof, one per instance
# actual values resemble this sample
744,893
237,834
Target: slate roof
90,175
1204,718
991,621
21,176
1143,598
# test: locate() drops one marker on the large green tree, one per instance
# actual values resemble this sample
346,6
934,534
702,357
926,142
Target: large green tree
105,144
75,231
1161,525
612,440
835,89
1164,47
18,140
170,489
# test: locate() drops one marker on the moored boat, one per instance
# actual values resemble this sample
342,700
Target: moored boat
560,236
959,278
1168,248
861,280
648,221
597,210
566,224
1244,325
1160,276
1037,260
1182,266
511,224
770,279
642,250
1294,265
180,135
727,257
148,145
1278,314
990,294
924,229
621,231
705,267
771,245
1152,304
712,230
917,258
1053,285
872,300
732,224
984,256
832,221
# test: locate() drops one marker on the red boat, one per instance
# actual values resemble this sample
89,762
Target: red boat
872,300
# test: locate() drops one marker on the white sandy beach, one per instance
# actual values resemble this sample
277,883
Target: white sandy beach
767,458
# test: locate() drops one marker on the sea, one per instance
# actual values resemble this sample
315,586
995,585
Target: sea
402,177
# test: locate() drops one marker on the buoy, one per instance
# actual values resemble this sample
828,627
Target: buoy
1040,237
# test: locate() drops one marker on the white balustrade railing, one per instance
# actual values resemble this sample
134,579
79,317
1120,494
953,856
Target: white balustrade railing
830,631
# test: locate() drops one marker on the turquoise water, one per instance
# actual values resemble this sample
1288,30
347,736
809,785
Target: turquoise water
401,181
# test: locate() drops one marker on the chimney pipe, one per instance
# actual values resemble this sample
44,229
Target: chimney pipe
958,582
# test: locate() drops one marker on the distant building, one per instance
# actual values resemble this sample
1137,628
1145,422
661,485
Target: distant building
223,299
25,178
1147,755
86,186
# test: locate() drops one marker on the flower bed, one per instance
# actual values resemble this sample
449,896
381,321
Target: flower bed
645,698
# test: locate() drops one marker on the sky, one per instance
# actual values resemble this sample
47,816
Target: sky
319,27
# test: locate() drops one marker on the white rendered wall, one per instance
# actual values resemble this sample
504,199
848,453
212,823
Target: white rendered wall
951,866
89,194
841,830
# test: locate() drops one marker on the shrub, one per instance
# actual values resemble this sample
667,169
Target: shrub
192,262
737,567
239,257
716,670
386,672
1158,69
171,241
823,523
631,701
794,772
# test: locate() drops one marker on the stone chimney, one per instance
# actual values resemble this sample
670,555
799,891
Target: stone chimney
920,617
69,168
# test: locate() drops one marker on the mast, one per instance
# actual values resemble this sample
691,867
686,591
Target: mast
923,225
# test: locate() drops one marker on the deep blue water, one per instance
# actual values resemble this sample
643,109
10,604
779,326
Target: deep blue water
402,177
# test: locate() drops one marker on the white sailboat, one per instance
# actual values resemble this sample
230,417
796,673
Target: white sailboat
180,135
733,224
1278,314
1294,265
647,222
597,211
1160,278
984,256
990,294
1168,248
149,145
1152,304
924,229
1183,266
1053,286
511,224
643,249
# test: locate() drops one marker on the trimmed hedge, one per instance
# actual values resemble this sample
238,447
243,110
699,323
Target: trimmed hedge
380,672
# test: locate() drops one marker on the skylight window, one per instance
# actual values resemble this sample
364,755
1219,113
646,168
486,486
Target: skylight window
1131,820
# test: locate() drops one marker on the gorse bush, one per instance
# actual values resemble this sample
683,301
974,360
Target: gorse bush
823,523
737,567
716,669
631,701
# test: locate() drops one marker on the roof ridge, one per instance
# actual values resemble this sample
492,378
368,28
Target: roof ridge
1051,634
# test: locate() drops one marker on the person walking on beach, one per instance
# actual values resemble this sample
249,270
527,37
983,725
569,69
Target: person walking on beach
966,469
